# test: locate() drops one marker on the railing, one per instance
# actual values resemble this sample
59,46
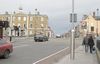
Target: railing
98,44
98,50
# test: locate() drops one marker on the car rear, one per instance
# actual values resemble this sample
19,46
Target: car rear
39,38
6,48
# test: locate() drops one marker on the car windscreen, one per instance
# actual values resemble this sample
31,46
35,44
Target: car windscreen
39,35
2,41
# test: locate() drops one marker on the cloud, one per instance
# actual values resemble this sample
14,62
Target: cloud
57,10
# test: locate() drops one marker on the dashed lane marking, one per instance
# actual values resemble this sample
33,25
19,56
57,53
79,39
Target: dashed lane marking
21,46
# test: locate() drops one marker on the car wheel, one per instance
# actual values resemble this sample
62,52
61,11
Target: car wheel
6,54
35,40
43,40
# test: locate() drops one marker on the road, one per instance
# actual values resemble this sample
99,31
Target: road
26,51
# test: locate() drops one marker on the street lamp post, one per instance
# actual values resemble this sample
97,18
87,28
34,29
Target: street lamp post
97,20
35,21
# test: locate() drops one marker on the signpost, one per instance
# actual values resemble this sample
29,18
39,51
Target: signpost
73,19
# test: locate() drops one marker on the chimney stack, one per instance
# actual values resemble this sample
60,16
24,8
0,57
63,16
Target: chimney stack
93,14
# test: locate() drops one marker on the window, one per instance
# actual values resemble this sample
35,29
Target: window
92,28
30,25
19,18
4,18
24,25
9,18
42,19
42,25
31,18
24,18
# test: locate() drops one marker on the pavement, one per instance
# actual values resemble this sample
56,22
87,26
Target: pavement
80,57
14,39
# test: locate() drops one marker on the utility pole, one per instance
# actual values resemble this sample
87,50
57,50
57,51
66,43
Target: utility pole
73,39
73,19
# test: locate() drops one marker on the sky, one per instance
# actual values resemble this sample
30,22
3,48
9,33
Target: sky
58,11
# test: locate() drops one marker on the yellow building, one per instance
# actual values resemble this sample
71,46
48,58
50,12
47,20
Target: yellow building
22,24
91,25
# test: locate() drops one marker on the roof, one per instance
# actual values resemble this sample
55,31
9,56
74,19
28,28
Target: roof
97,17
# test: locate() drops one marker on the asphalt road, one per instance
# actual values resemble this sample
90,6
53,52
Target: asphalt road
26,51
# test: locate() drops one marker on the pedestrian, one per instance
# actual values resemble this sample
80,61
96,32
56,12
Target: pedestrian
10,38
91,43
85,42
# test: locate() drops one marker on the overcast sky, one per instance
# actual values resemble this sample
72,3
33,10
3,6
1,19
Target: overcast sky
57,10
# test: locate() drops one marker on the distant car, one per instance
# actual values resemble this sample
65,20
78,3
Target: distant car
39,37
46,38
6,48
58,36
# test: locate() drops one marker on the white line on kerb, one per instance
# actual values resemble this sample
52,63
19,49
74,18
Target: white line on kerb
20,46
50,55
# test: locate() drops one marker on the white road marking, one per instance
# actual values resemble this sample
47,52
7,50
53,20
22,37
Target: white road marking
20,46
50,55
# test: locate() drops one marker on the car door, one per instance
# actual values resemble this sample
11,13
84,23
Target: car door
0,48
2,43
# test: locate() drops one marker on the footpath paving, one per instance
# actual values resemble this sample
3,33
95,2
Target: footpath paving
14,39
80,58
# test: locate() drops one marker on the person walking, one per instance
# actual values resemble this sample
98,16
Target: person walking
85,42
91,43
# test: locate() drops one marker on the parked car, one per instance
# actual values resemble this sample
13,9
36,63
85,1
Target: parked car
46,38
6,48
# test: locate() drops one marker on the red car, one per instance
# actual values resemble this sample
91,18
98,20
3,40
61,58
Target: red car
6,48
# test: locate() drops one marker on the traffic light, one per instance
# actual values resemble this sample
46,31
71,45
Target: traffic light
4,24
1,23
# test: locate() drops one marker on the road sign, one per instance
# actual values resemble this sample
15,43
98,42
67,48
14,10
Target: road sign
73,17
